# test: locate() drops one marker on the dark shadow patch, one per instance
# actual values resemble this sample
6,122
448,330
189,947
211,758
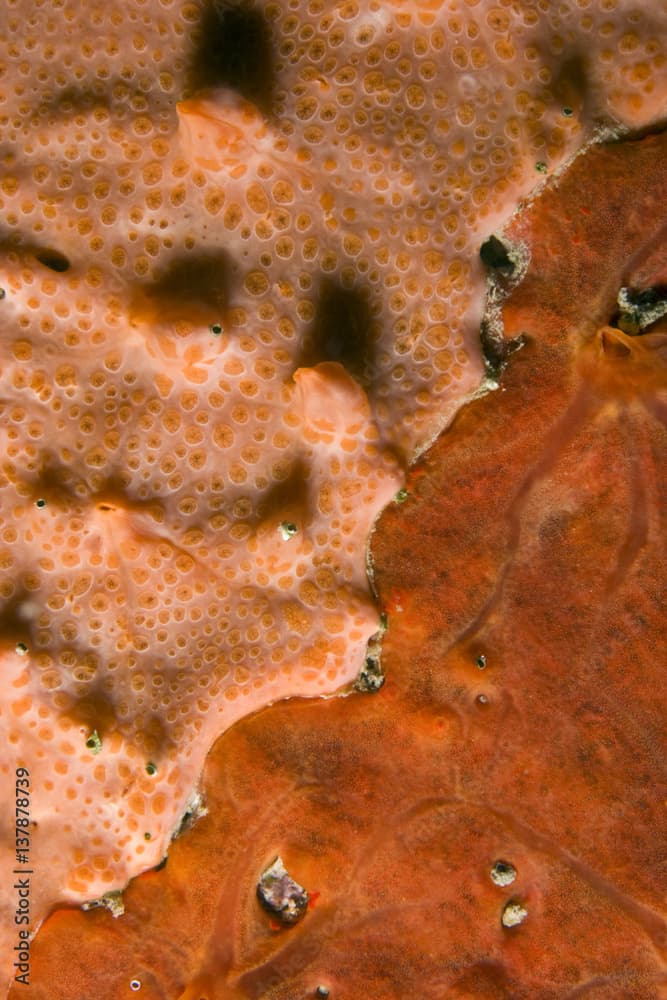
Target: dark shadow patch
571,87
15,629
53,259
154,739
68,101
341,331
111,494
286,495
234,49
10,241
485,979
284,506
95,713
192,288
55,484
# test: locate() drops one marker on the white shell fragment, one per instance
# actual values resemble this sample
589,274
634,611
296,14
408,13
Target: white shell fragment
514,914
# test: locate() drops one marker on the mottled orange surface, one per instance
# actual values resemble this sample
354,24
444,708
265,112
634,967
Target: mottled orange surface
206,209
523,715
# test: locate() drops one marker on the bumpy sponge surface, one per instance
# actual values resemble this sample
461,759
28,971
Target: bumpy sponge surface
239,292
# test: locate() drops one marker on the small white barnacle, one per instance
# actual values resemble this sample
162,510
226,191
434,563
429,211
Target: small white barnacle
135,985
502,873
513,914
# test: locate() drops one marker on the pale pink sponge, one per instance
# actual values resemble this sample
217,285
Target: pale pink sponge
170,578
229,319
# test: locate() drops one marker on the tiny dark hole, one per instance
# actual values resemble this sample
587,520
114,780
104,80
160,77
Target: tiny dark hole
494,255
54,260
